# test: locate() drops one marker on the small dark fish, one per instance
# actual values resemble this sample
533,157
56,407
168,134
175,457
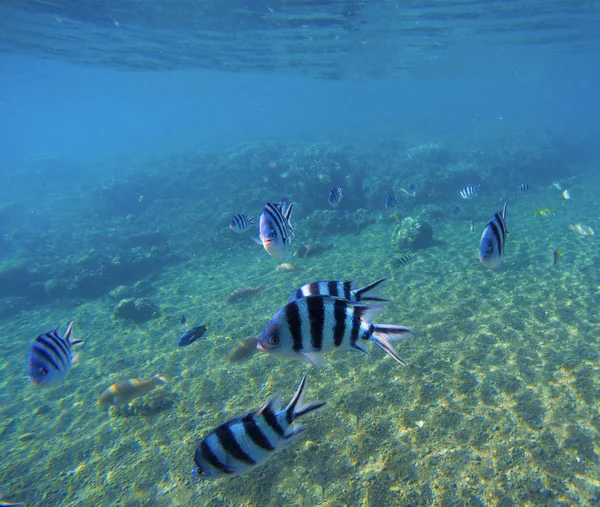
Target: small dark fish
469,191
493,239
342,214
391,201
241,294
337,289
244,350
367,190
240,223
526,188
335,196
405,259
191,335
183,319
557,255
412,188
243,443
456,210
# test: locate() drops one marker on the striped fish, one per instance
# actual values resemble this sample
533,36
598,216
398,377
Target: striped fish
275,229
526,188
309,327
493,239
240,223
391,201
240,445
50,357
335,196
456,210
405,259
469,191
337,289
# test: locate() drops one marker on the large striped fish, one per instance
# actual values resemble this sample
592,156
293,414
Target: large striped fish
239,445
50,357
493,239
312,326
337,289
275,229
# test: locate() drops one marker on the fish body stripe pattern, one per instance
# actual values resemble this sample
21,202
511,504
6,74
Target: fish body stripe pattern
278,220
315,311
469,191
241,223
493,240
294,320
336,289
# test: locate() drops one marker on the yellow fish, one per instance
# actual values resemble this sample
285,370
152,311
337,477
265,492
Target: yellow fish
128,390
543,213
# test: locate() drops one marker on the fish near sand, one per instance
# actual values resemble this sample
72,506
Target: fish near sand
50,357
244,350
493,239
244,293
557,255
275,229
286,267
312,326
244,443
191,335
128,390
310,250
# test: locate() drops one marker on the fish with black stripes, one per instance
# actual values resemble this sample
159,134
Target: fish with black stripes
309,327
493,240
456,210
241,223
275,229
526,188
244,443
50,357
337,289
335,196
391,201
470,191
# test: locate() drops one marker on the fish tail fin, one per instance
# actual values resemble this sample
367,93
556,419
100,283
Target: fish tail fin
68,336
359,292
159,379
384,334
251,220
298,406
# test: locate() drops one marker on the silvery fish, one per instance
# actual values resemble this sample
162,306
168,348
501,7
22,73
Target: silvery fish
190,336
469,191
50,357
335,196
240,223
493,239
337,289
240,445
275,229
126,391
312,326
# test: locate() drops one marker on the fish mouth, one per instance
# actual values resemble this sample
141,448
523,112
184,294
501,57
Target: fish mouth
261,347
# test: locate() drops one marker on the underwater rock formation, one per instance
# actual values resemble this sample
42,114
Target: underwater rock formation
136,309
412,234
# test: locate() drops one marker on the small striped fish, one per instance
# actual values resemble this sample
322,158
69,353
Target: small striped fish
526,188
391,201
405,259
493,239
240,445
335,196
337,289
50,358
456,210
312,326
469,191
275,229
240,223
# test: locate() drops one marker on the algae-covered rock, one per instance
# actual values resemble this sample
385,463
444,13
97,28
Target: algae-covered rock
136,309
412,234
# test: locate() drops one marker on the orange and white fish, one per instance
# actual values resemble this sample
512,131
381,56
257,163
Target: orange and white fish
126,391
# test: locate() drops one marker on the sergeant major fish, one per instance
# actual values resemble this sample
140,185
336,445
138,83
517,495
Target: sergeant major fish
241,444
337,289
335,196
240,223
275,229
493,239
469,191
312,326
126,391
50,357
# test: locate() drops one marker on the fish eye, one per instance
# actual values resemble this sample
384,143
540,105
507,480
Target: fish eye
274,340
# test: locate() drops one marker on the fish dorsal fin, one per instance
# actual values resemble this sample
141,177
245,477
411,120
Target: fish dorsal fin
288,218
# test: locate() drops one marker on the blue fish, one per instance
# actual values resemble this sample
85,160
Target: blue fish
335,196
275,229
493,239
190,336
50,358
241,444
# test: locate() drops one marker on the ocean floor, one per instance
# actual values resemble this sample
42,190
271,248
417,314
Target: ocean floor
498,404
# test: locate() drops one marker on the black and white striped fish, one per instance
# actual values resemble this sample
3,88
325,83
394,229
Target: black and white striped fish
493,240
240,223
391,201
337,289
469,191
50,357
456,210
240,445
312,326
335,196
525,188
275,229
405,259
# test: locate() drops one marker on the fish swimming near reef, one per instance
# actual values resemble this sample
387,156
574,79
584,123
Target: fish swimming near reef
335,196
275,229
128,390
243,350
337,289
312,326
50,357
244,293
191,335
493,240
312,249
244,443
391,201
286,266
470,191
241,223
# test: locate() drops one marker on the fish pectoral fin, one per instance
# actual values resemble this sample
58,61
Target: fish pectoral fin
313,358
76,342
361,348
256,240
75,358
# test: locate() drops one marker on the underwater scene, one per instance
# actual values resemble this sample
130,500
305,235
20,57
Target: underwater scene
299,253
